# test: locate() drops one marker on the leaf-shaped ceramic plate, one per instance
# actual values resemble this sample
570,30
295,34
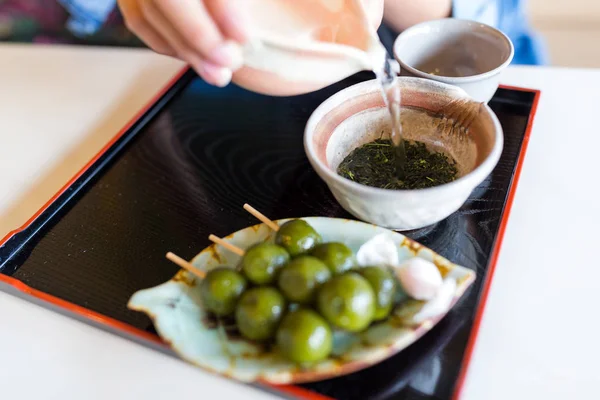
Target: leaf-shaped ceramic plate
176,310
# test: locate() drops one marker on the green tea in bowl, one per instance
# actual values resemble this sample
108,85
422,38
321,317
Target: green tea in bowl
372,164
451,142
435,153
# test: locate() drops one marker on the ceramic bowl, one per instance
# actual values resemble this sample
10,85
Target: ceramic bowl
357,115
463,53
180,320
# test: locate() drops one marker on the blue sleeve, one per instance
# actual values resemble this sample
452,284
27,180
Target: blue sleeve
510,17
484,11
87,16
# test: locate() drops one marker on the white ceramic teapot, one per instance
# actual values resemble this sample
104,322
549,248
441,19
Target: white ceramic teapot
300,46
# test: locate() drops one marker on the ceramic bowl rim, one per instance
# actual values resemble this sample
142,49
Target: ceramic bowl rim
478,173
458,79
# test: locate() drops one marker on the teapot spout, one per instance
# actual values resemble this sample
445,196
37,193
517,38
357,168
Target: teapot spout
317,61
310,44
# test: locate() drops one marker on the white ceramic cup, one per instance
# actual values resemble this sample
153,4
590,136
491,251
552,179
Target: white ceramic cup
463,53
357,115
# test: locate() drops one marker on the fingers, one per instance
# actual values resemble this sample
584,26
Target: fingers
200,33
215,74
135,22
155,18
215,70
206,33
228,16
196,28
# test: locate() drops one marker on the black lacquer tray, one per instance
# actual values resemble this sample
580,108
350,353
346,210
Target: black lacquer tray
184,168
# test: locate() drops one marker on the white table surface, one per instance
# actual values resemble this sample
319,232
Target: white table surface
539,335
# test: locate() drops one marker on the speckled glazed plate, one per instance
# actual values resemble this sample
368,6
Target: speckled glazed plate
176,310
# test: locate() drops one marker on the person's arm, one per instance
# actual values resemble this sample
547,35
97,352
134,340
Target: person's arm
87,16
402,14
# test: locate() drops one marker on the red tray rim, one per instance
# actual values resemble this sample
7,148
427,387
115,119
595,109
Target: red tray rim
295,391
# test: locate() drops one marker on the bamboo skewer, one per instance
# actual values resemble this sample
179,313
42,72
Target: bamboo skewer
261,217
199,273
185,265
217,240
228,246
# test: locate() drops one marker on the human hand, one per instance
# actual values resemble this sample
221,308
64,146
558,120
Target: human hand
402,14
205,33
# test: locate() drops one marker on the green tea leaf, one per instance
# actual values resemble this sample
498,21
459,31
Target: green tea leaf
373,164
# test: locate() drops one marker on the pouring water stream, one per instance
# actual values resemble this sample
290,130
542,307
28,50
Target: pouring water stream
391,93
